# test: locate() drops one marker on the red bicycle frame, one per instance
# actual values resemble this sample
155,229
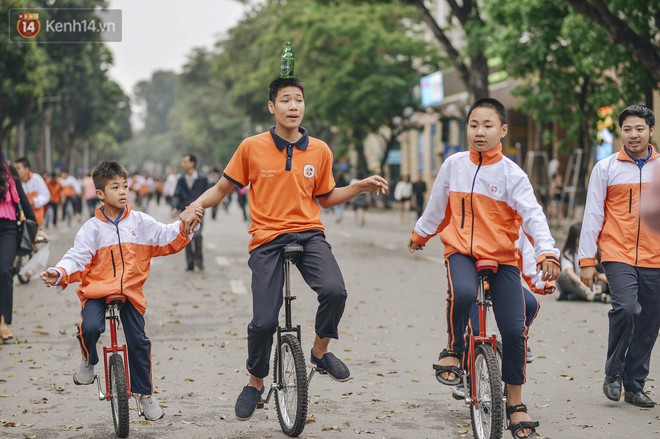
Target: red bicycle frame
112,305
485,269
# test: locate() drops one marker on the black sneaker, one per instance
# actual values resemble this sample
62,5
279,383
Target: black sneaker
612,387
247,401
331,365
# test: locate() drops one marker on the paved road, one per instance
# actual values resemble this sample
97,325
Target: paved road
391,332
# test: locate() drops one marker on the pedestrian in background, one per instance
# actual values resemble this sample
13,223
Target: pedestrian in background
403,192
569,283
11,194
188,188
629,251
55,189
35,188
419,192
360,203
340,181
89,193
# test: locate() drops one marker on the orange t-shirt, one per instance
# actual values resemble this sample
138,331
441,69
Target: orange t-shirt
285,180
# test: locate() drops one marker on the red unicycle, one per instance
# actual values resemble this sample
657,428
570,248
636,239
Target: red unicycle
115,365
486,395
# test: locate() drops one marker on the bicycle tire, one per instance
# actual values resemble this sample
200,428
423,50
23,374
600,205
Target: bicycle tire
488,414
118,395
291,393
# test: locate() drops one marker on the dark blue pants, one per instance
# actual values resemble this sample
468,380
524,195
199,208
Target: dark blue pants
139,346
634,322
508,307
532,307
320,271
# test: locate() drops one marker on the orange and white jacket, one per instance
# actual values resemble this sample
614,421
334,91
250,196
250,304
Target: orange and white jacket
478,203
38,193
528,267
611,216
115,259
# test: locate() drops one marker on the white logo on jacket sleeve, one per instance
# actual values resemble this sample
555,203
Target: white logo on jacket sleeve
309,171
494,189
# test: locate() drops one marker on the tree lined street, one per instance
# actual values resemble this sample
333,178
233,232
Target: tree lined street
392,330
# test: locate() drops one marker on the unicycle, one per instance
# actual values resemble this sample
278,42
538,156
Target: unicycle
486,397
115,362
290,381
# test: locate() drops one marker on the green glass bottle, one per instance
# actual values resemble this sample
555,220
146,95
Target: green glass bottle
286,68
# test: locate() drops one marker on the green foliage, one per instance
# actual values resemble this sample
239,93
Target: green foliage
359,63
157,95
567,66
68,80
23,73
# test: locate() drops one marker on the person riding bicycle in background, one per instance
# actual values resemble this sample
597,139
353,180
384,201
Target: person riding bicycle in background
35,188
629,253
112,254
290,175
478,202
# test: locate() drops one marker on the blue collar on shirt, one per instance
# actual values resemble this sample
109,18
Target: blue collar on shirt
639,162
116,220
281,144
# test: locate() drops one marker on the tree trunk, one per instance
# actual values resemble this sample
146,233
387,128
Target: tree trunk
644,52
478,77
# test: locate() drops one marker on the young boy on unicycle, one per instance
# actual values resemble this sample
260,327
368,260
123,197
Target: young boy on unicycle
478,203
112,254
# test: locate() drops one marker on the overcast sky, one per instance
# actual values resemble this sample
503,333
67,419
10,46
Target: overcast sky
159,34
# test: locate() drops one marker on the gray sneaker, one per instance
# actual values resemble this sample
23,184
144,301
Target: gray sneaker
85,374
150,408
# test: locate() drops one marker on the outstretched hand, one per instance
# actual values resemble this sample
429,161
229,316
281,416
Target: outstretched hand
376,184
49,277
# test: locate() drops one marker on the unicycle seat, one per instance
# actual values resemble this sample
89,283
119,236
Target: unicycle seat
486,267
115,299
292,252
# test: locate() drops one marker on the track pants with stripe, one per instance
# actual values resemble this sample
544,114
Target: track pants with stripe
508,306
137,342
634,322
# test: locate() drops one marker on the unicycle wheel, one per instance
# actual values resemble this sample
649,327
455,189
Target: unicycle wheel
291,392
488,412
118,395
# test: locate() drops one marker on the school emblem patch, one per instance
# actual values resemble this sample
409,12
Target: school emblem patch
494,189
309,171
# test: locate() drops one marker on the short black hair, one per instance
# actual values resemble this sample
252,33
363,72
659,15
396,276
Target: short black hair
491,103
23,161
280,83
105,171
192,158
638,110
